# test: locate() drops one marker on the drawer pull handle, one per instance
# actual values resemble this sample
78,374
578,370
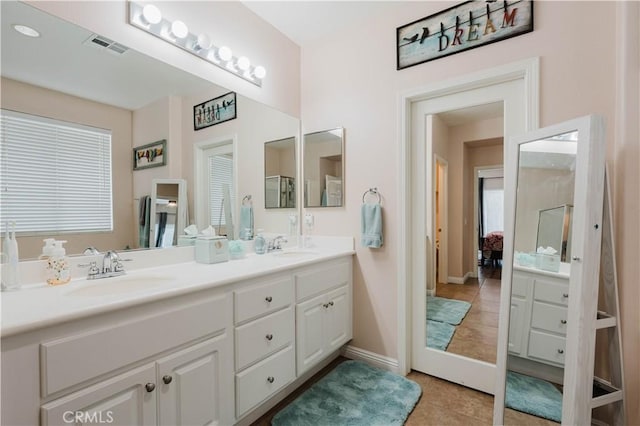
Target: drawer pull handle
167,379
331,303
150,387
270,379
563,321
269,337
560,351
565,294
325,305
268,299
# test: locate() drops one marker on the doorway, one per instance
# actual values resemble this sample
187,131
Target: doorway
510,85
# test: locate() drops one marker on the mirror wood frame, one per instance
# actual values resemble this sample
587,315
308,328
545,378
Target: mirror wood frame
585,266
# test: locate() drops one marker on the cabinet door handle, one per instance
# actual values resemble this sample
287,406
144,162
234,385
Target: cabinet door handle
560,351
150,387
268,299
565,295
167,379
270,379
563,321
269,336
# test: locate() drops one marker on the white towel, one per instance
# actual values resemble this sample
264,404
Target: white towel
371,225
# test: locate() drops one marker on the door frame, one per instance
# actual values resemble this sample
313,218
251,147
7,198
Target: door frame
528,71
442,266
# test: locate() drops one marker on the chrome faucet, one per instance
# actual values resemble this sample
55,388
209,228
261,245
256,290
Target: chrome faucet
111,265
276,243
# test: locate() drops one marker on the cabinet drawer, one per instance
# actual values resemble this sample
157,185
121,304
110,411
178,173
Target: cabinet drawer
253,302
549,317
551,291
77,358
311,283
258,382
546,347
263,336
519,285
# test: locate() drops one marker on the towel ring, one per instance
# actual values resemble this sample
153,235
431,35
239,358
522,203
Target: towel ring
372,191
246,198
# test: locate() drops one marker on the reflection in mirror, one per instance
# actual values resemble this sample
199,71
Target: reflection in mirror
324,168
168,211
540,279
137,98
280,171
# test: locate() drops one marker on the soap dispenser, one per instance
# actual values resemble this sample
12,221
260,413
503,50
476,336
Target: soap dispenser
47,249
58,271
10,275
259,243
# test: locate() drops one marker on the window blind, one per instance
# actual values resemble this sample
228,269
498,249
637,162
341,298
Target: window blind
220,174
55,176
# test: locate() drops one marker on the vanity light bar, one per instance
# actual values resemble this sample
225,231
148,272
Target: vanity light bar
149,19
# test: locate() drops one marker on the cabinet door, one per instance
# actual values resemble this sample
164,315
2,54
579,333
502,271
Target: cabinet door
517,325
310,335
338,318
194,385
127,399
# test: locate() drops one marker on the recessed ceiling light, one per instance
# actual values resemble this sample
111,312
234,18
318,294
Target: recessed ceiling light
28,31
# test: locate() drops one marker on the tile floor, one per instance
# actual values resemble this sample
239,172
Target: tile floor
442,403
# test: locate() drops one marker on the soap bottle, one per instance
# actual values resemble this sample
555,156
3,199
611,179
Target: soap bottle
58,265
259,243
10,278
47,250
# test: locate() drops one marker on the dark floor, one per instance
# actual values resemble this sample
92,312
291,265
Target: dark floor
441,403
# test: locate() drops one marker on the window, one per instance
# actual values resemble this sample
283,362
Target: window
55,176
220,175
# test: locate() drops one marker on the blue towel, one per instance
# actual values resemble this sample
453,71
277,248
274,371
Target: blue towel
246,222
371,225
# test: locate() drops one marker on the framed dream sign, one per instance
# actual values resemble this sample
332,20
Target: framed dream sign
214,111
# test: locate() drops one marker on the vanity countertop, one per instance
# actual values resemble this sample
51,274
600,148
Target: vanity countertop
38,306
564,271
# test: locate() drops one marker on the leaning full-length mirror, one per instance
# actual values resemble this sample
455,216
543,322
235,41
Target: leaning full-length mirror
279,174
138,100
546,270
324,168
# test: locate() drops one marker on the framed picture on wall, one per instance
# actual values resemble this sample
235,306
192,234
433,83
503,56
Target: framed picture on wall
214,111
150,155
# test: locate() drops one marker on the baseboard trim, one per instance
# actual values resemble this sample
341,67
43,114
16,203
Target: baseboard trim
372,358
460,280
431,293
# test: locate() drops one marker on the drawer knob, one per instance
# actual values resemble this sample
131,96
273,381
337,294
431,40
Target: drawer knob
268,299
560,351
563,321
331,303
269,336
325,305
565,295
270,379
150,387
167,379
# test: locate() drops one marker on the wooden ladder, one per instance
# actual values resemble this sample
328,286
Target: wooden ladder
608,319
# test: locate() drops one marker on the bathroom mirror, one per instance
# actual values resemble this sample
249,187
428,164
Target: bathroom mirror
279,174
69,77
557,183
168,211
323,160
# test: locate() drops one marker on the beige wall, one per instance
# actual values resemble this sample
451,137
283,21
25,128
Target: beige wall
30,99
577,77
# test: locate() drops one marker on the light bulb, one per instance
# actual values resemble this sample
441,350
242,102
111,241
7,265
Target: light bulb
203,42
151,15
244,63
260,72
225,53
179,29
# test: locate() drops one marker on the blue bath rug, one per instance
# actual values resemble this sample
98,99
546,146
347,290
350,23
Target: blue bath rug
533,396
353,394
446,310
439,334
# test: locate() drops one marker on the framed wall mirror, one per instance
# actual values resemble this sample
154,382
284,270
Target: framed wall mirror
551,270
168,213
323,160
279,174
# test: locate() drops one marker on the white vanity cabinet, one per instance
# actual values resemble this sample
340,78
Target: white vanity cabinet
539,316
323,312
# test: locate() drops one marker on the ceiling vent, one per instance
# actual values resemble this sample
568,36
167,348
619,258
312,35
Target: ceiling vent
103,43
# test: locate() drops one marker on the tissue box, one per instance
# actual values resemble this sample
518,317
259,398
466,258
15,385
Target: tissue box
212,249
186,240
548,262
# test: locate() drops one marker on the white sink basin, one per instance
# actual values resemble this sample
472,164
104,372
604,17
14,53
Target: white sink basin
120,285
